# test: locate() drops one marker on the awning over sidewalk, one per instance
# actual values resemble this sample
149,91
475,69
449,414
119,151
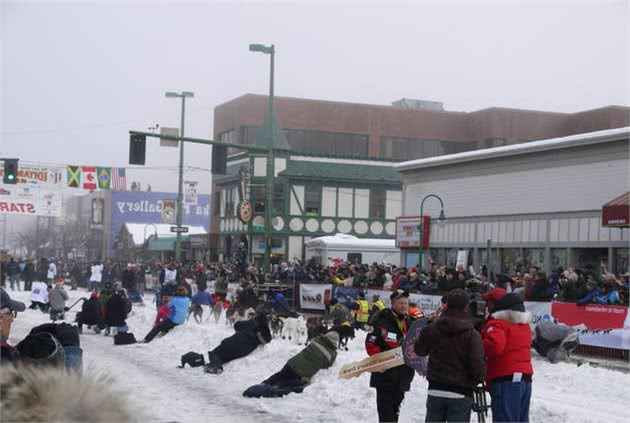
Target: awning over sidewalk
615,213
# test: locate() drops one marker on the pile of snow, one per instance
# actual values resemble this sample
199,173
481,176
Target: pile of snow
146,375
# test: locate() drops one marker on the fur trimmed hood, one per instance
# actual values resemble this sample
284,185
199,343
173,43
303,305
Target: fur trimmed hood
51,394
513,316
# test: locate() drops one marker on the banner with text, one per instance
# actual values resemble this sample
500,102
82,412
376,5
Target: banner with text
30,201
40,176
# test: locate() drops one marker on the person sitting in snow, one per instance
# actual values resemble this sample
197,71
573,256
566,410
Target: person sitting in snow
178,305
57,298
163,312
39,296
300,369
116,311
91,314
249,335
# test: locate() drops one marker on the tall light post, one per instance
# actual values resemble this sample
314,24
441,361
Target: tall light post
441,221
270,50
178,241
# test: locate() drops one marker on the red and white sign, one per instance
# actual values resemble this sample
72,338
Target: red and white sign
88,177
407,235
28,201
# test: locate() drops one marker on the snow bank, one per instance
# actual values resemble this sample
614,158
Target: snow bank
147,376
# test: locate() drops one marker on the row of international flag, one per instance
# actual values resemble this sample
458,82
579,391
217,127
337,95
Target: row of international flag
97,178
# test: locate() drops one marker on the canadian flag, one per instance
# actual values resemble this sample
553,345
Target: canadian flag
88,177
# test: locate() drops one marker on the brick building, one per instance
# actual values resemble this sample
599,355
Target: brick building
406,130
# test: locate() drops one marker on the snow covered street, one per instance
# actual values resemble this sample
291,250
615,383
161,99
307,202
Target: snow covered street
146,374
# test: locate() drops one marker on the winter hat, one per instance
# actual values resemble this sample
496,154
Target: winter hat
7,302
118,286
510,302
399,293
181,291
494,295
333,336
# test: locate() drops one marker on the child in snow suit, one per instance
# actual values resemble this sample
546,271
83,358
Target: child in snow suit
249,334
300,369
178,305
163,312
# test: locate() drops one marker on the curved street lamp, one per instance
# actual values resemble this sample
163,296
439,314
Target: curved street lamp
441,221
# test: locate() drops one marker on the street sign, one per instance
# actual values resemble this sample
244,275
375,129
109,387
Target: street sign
179,229
259,229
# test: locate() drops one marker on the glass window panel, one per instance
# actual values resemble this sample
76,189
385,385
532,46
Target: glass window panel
377,203
559,258
621,261
258,198
312,199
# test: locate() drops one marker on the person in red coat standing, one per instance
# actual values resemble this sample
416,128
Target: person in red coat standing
507,340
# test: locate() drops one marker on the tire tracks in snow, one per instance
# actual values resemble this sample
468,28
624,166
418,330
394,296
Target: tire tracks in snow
189,392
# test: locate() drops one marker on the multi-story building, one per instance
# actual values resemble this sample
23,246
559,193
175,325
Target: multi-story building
337,171
314,195
409,129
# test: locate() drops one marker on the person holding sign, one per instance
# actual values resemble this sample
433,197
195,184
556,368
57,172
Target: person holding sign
390,327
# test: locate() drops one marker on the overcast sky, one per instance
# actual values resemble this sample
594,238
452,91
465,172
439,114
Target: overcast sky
77,75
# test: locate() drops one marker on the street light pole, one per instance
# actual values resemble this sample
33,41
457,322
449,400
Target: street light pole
180,197
441,220
269,186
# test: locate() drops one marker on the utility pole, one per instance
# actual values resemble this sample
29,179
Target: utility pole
269,188
180,184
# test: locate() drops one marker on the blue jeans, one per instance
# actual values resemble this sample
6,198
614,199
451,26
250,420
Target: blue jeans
448,409
15,280
510,401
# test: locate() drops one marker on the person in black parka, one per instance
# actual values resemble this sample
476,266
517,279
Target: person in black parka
90,314
116,311
249,335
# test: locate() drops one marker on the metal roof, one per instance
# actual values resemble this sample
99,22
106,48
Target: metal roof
578,140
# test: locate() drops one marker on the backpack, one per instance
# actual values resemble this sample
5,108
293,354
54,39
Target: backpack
193,359
124,338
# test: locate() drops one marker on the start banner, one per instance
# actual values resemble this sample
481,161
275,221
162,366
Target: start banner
29,201
314,296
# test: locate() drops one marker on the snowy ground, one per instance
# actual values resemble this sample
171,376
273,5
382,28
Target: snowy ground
147,376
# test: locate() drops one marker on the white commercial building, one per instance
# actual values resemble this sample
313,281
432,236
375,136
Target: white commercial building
537,203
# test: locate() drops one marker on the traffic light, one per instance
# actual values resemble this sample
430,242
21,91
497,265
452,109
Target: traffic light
137,149
219,160
10,171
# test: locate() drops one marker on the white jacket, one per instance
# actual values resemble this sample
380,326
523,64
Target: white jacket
39,292
97,273
52,271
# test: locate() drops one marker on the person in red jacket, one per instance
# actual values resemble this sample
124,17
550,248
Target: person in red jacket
163,312
507,340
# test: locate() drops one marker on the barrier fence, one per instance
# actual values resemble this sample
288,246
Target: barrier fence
604,331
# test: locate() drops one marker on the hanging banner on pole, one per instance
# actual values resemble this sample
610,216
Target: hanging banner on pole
168,213
28,201
191,193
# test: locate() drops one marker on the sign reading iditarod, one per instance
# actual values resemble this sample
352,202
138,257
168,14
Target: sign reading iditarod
40,176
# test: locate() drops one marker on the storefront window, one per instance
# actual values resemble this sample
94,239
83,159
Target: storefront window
511,260
559,258
590,258
438,256
492,265
621,260
534,257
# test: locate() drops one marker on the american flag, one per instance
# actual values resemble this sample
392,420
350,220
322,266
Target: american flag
119,179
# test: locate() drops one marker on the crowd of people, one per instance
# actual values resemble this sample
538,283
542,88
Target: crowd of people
464,350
